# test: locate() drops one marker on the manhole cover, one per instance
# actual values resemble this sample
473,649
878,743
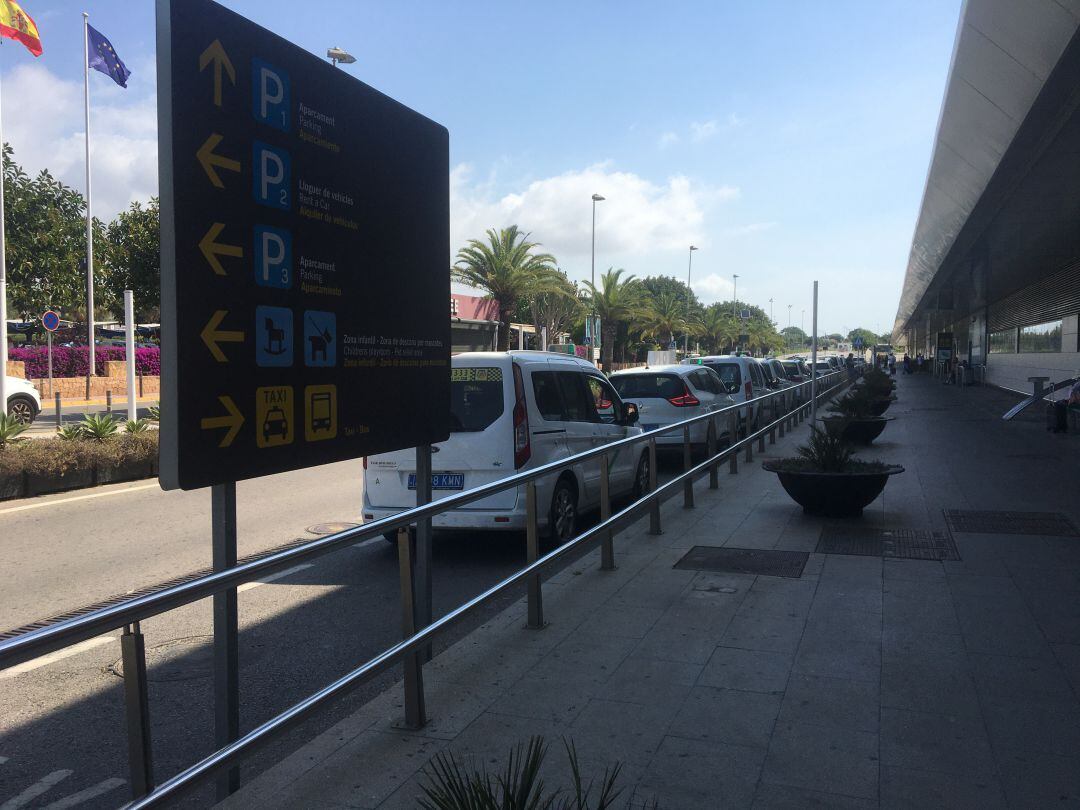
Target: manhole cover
182,659
745,561
988,522
908,544
331,528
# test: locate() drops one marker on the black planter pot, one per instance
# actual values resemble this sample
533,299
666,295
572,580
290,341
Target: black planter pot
879,406
833,494
856,431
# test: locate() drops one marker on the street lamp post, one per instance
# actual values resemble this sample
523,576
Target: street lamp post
770,309
734,305
789,316
339,55
592,273
689,265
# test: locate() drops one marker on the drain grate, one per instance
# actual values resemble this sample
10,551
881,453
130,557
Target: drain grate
745,561
988,522
908,544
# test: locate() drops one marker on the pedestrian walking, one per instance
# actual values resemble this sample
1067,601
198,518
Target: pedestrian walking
907,363
892,364
849,364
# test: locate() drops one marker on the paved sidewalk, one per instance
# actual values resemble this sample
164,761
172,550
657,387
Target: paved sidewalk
866,682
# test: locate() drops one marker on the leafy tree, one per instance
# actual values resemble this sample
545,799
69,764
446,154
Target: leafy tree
508,270
132,257
616,301
663,316
45,230
656,286
557,310
868,338
794,337
717,327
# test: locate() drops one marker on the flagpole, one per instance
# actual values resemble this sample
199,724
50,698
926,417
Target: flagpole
3,295
89,213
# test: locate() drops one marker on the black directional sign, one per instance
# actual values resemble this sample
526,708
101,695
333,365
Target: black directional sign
304,257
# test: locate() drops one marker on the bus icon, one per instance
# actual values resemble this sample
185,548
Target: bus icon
320,412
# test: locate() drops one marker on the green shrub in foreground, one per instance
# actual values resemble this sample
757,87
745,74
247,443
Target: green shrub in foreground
58,457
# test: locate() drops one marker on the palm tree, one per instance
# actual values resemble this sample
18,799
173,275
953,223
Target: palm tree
616,301
664,315
718,327
507,270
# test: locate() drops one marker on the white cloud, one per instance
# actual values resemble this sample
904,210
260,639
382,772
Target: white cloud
749,228
43,122
702,131
637,218
713,287
667,139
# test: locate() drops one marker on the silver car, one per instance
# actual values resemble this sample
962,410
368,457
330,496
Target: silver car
665,395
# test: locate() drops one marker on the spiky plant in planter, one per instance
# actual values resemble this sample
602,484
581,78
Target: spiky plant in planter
10,430
826,479
854,419
452,787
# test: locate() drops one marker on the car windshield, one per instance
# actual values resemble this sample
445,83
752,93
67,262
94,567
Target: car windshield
659,386
476,398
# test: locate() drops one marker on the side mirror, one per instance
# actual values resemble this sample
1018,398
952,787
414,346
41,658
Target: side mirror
630,414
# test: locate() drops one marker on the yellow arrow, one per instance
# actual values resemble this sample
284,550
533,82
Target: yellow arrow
212,336
209,160
233,421
211,249
216,54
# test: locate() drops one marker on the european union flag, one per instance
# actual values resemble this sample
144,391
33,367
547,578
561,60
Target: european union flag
101,56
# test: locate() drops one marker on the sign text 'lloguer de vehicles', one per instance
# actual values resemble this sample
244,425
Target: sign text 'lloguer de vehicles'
304,252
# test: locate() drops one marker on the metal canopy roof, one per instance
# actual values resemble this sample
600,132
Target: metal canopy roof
1002,57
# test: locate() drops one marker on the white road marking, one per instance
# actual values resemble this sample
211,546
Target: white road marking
247,586
36,790
43,504
59,655
85,795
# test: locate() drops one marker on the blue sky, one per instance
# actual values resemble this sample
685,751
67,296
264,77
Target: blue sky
788,140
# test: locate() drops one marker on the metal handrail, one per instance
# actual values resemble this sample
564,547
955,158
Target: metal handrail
72,631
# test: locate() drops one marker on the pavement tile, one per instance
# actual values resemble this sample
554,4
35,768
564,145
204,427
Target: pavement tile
651,681
1005,680
620,732
584,658
912,614
546,698
904,788
839,657
825,622
621,620
1037,781
1057,613
831,702
668,643
750,629
978,585
935,682
775,596
917,570
840,596
934,742
783,797
824,759
749,670
852,566
727,716
697,774
1046,728
1068,656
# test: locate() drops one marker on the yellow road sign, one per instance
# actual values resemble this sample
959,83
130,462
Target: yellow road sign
233,421
212,336
210,159
216,54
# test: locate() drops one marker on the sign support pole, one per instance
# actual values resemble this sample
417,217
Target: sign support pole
129,345
813,367
422,587
226,651
48,337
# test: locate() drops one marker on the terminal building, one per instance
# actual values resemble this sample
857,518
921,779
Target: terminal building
994,269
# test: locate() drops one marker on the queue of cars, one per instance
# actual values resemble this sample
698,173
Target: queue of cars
518,410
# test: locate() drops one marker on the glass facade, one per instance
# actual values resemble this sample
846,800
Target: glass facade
1042,337
1003,342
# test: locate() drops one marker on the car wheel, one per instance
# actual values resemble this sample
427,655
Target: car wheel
641,477
562,519
22,410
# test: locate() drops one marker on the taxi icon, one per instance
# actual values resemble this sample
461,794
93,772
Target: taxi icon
275,424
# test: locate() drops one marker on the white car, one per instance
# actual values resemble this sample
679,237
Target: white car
23,400
665,395
745,381
510,412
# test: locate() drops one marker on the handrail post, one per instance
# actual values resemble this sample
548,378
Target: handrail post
749,443
607,539
688,484
786,415
137,711
415,712
226,633
532,545
654,505
772,421
714,469
424,560
733,430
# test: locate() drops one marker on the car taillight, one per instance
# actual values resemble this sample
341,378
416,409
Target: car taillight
522,445
686,400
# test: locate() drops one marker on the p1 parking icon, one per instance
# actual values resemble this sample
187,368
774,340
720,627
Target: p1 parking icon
271,172
270,95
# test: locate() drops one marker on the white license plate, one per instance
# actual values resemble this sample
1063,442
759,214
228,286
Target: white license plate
442,481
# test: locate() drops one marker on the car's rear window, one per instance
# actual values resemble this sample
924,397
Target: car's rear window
792,369
729,373
658,386
476,398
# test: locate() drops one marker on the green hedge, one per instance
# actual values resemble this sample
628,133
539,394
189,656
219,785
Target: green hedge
35,466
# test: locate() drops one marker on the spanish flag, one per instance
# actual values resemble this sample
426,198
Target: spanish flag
17,24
